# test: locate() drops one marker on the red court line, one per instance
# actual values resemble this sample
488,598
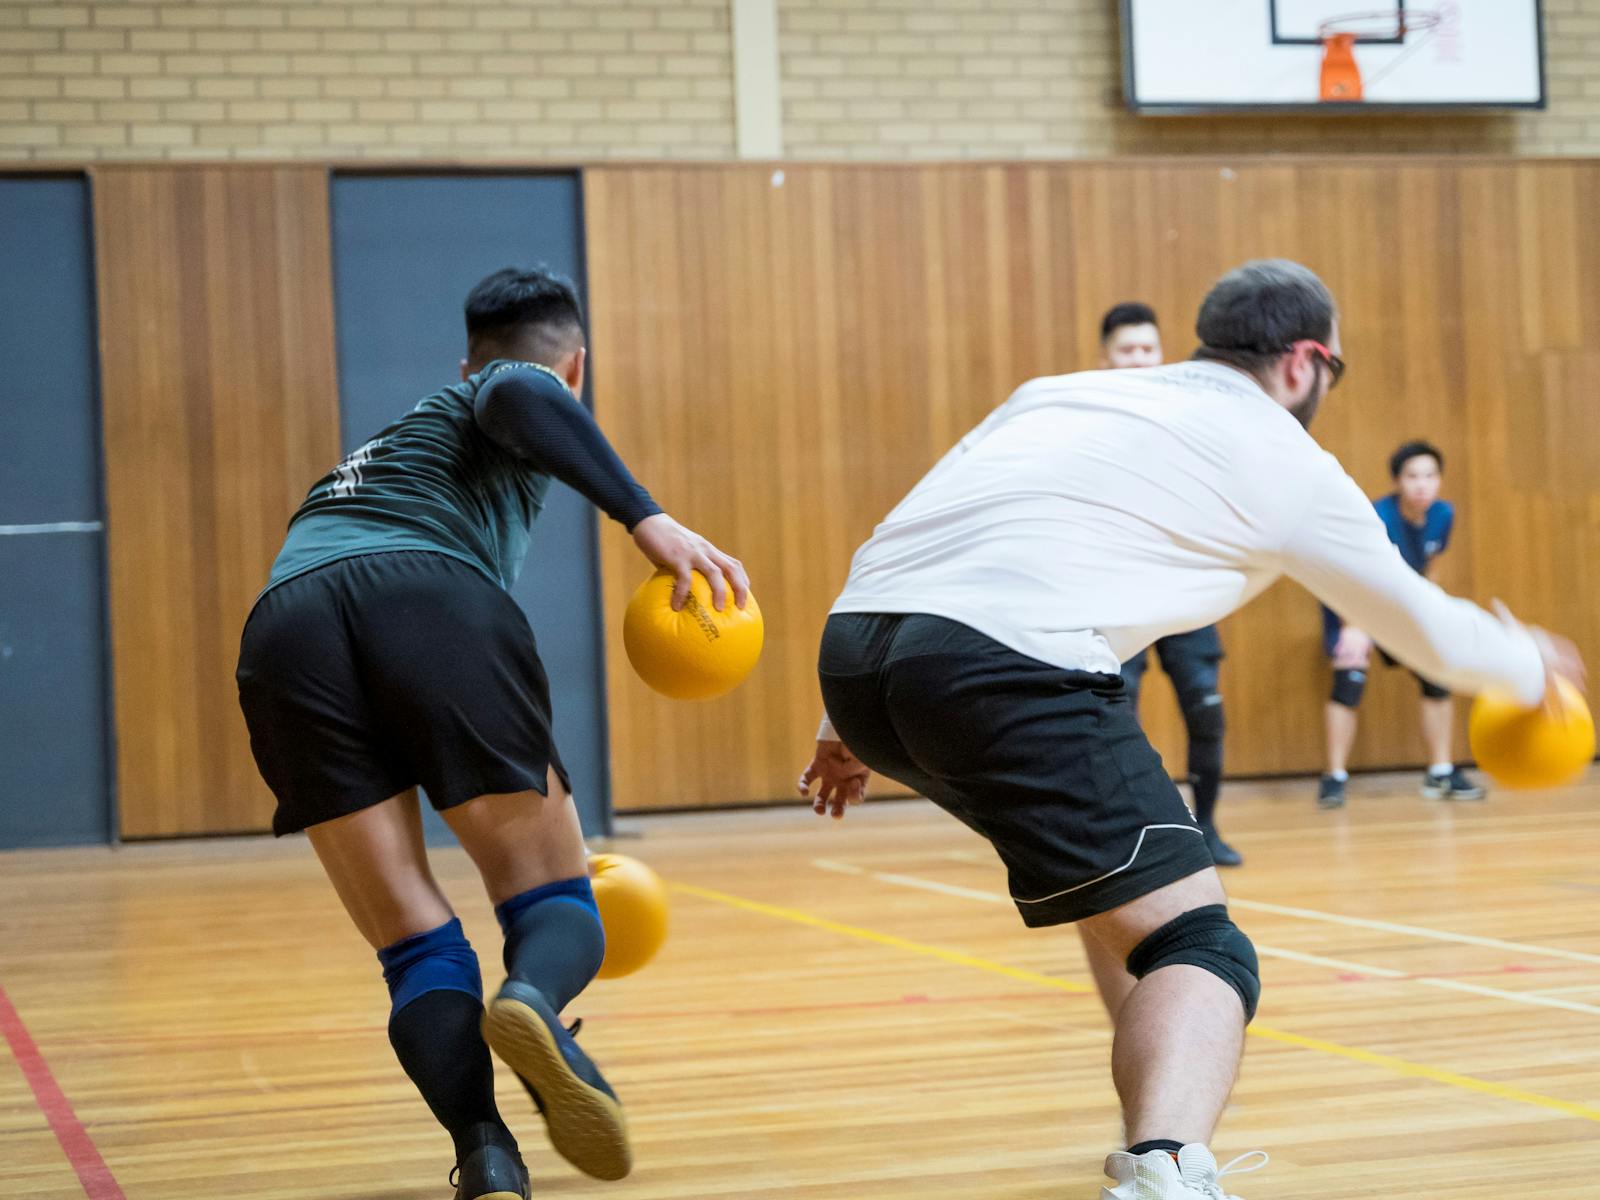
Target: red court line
96,1178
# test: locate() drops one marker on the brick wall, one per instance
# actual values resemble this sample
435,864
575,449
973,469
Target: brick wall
1042,78
588,79
569,79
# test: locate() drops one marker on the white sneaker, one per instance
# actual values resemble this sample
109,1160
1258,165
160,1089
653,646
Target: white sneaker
1155,1176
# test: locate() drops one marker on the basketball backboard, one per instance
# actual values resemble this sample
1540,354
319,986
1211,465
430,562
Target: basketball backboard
1251,55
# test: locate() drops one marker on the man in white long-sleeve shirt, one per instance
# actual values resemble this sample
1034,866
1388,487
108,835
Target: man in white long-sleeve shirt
973,656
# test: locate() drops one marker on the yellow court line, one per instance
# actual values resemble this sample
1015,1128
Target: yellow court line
1399,1066
1413,1070
883,939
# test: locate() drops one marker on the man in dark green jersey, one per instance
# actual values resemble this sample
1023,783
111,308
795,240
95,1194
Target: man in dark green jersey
386,654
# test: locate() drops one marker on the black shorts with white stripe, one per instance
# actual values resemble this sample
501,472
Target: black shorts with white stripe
1049,765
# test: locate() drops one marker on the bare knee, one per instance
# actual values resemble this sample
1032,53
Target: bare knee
1126,926
1110,974
378,865
521,840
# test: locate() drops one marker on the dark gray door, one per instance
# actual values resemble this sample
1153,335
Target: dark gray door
406,250
55,782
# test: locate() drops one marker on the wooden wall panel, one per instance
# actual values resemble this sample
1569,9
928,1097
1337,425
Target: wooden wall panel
780,359
220,403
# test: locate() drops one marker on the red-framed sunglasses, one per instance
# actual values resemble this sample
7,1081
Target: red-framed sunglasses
1335,363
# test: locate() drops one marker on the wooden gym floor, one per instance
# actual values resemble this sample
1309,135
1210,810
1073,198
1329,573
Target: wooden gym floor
847,1012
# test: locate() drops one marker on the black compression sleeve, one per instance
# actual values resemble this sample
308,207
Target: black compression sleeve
530,412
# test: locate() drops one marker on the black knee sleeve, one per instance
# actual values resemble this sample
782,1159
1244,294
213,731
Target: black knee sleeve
1347,687
1206,938
1432,691
1202,715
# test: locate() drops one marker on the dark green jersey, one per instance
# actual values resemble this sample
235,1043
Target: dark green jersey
433,480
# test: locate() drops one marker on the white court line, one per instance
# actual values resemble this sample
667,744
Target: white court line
1538,999
911,881
828,864
1542,999
1333,964
1438,935
52,527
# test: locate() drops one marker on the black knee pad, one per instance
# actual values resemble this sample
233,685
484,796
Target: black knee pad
1206,938
1347,687
1202,717
1432,691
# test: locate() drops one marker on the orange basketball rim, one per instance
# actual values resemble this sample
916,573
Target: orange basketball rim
1341,74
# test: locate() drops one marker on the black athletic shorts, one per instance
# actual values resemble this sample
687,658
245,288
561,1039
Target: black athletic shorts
1049,765
1429,689
372,675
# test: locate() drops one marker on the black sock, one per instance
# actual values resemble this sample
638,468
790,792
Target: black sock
1167,1144
1207,784
437,1041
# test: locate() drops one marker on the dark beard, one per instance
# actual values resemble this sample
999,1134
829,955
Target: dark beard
1306,410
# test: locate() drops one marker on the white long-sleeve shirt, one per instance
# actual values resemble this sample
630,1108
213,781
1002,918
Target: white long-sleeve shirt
1093,513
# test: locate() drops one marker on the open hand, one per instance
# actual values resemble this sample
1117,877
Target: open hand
842,776
1559,655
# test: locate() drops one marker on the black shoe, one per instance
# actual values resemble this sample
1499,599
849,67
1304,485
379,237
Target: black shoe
1330,792
581,1112
493,1171
1222,854
1457,785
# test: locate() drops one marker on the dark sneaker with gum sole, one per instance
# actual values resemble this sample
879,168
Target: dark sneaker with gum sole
493,1171
585,1121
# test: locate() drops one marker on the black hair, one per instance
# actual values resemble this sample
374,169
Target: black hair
1254,313
1410,450
533,310
1130,313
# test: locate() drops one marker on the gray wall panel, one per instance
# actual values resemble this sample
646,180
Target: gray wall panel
55,782
49,458
406,250
53,762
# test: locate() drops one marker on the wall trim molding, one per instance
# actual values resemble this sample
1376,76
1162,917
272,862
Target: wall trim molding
757,103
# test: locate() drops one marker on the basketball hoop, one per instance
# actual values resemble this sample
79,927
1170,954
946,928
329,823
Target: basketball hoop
1341,77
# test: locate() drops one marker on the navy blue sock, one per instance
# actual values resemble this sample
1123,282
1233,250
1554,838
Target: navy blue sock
436,994
554,939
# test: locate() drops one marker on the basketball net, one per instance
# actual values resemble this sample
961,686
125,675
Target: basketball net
1341,74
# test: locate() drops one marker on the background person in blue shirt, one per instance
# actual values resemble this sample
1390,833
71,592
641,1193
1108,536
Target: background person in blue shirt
1419,524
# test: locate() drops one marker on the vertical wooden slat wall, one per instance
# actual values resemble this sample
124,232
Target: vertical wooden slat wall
220,408
780,356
